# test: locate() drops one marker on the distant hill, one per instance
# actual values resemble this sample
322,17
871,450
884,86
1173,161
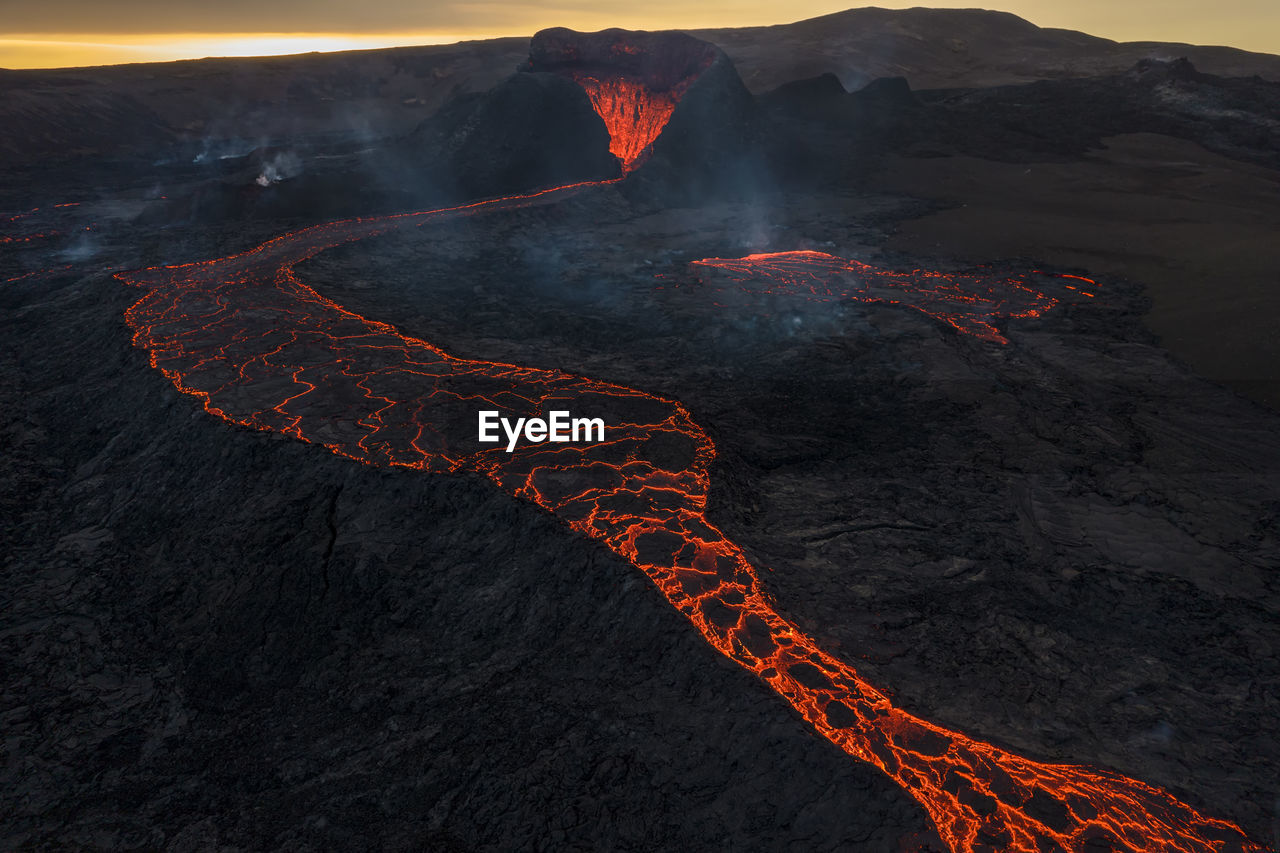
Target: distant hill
945,48
376,94
357,94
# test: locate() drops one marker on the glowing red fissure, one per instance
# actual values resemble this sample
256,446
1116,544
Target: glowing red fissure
968,302
633,115
27,238
36,274
260,348
19,241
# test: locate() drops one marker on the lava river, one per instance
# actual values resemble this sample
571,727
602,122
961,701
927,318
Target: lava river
260,348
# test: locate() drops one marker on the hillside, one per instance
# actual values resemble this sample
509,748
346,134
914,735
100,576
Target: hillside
365,95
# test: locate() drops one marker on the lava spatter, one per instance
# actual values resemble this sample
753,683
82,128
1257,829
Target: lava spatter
260,348
968,302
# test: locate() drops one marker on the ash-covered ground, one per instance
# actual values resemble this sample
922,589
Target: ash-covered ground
225,639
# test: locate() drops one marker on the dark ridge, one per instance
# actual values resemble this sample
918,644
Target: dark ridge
532,130
1159,70
660,60
811,93
887,92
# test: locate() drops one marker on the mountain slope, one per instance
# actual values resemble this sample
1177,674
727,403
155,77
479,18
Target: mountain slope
381,93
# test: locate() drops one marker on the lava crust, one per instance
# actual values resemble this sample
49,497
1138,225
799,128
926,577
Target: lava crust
262,349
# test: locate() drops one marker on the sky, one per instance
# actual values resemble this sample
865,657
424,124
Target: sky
51,33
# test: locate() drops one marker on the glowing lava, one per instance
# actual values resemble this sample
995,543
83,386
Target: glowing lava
260,348
968,302
634,79
632,114
30,236
35,274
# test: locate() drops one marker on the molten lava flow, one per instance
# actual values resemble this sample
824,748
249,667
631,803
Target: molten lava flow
260,348
968,302
633,115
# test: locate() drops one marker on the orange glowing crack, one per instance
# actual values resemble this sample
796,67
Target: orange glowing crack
968,302
259,348
21,217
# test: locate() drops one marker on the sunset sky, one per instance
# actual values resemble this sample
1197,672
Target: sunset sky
90,32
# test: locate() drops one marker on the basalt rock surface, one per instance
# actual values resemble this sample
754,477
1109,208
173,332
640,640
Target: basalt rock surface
709,148
532,130
659,61
1231,116
219,638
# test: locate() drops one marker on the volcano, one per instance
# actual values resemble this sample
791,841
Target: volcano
634,79
877,549
261,349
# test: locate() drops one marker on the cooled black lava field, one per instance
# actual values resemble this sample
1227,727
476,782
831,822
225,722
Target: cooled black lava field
888,545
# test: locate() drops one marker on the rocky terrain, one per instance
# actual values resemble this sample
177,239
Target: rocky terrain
231,106
228,639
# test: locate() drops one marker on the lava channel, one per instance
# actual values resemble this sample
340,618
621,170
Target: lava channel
260,348
968,302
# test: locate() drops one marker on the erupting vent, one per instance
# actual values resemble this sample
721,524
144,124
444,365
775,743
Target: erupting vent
634,79
968,302
260,348
633,115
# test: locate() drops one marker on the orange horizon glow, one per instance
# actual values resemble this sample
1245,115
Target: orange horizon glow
32,51
1245,24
